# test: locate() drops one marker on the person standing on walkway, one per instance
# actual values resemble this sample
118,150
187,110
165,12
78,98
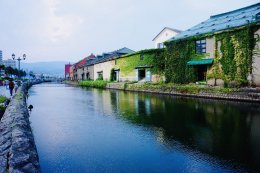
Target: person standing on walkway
6,84
11,87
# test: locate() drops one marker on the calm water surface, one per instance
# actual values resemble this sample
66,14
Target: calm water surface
91,130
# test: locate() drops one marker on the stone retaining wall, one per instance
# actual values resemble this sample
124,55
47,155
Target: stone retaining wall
242,95
18,152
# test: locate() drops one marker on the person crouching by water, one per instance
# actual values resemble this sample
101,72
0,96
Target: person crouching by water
11,86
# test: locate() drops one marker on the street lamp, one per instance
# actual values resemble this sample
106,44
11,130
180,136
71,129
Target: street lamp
18,59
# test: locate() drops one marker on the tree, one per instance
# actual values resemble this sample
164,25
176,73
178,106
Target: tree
22,73
2,67
32,74
9,71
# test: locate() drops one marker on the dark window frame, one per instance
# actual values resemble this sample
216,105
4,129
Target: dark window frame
100,74
142,56
257,17
200,46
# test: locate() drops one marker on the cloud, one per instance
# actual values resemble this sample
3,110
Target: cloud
60,27
70,30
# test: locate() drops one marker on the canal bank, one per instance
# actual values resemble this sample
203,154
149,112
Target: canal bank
196,91
18,152
192,90
97,130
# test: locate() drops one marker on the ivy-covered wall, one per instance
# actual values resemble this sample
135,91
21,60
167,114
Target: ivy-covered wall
178,53
151,57
255,77
233,56
232,61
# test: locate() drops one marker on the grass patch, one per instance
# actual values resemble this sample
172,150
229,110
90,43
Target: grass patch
94,84
171,87
2,99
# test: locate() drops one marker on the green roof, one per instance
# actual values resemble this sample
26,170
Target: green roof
200,61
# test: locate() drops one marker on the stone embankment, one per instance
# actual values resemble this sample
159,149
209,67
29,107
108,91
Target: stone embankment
18,152
243,94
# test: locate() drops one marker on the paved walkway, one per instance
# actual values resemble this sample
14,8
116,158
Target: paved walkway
4,91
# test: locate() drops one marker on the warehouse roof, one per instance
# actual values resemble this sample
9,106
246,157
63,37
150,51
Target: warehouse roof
224,21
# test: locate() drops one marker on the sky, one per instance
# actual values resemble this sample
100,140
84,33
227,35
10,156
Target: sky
69,30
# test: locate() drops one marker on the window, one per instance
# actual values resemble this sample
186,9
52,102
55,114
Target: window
142,57
201,46
160,45
87,76
100,75
257,17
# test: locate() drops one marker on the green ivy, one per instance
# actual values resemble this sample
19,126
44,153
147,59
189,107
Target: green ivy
112,76
153,58
178,53
232,61
233,56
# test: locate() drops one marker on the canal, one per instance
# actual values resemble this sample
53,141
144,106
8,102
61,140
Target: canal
91,130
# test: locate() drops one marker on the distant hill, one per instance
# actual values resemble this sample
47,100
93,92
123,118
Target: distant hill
50,68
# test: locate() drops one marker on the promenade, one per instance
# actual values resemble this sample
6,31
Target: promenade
4,91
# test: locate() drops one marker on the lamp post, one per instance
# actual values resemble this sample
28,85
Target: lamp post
18,59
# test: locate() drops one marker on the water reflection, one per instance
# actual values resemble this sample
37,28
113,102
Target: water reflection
224,129
91,130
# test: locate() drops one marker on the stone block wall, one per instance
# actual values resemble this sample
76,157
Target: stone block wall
18,152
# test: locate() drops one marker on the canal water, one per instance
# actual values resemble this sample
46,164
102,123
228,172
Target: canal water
91,130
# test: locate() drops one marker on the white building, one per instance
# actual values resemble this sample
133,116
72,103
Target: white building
164,35
9,63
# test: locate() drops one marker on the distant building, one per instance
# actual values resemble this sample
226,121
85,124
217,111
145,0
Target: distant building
164,35
72,67
9,63
84,69
1,57
67,71
105,63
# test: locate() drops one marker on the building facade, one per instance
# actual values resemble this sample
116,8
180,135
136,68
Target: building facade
104,64
89,69
9,63
140,66
221,50
72,67
67,71
164,35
